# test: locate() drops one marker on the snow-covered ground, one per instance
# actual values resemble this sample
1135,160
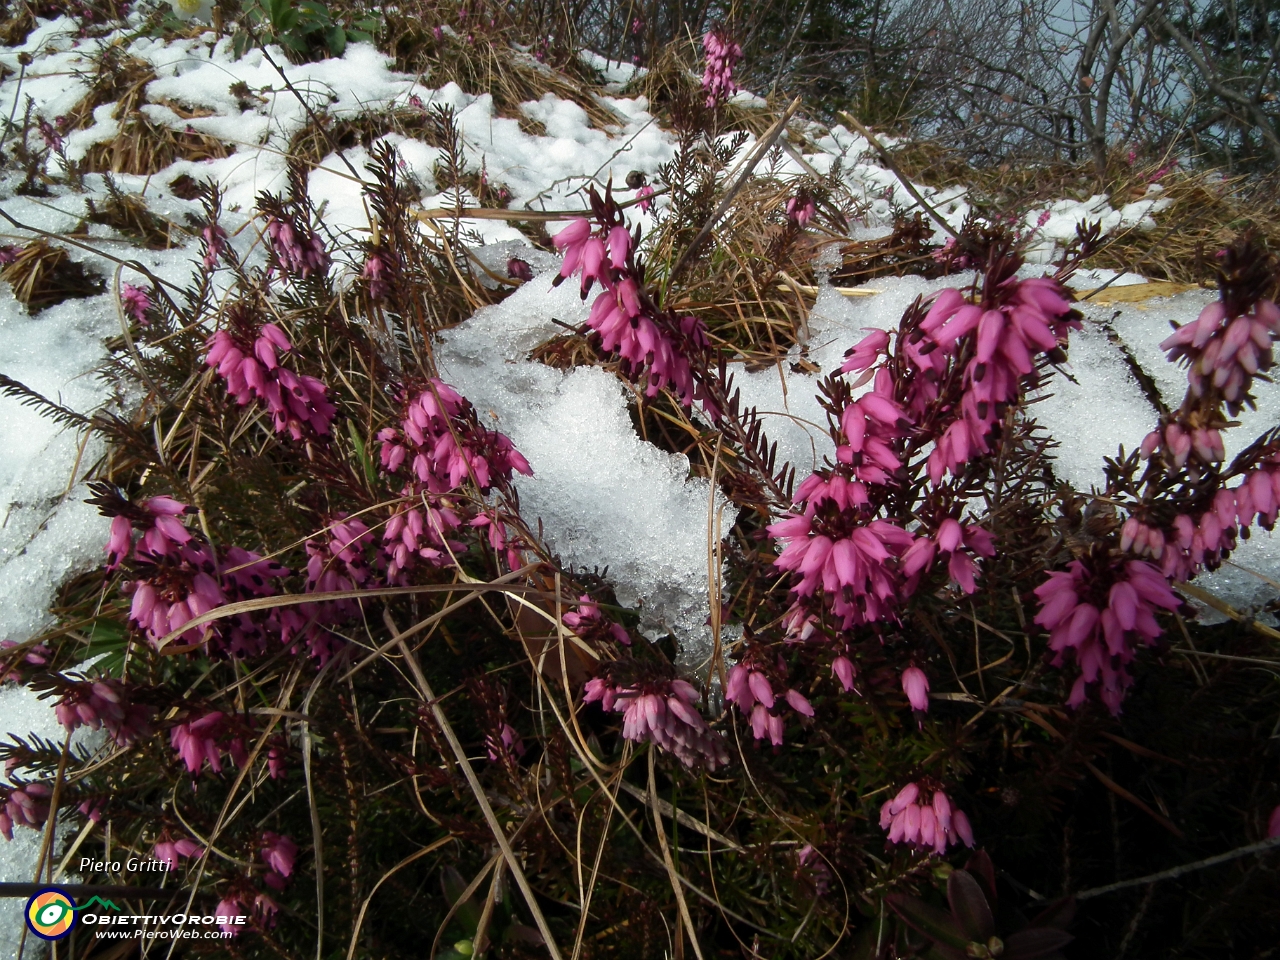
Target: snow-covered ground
604,497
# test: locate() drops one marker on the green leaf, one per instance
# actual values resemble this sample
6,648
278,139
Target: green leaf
110,640
1035,943
933,923
335,39
315,15
969,905
365,461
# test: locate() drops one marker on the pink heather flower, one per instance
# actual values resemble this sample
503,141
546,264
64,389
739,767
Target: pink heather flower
842,669
928,825
518,269
278,853
722,54
800,210
571,241
169,850
662,711
506,744
1191,544
27,806
956,542
866,352
444,446
752,693
8,254
645,195
589,623
1273,823
120,543
654,344
297,249
103,703
1224,348
916,686
177,580
1103,639
832,545
374,274
275,762
49,134
136,303
1028,318
228,909
214,239
249,363
205,740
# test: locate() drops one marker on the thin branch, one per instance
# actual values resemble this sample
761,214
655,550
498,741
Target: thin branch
1262,846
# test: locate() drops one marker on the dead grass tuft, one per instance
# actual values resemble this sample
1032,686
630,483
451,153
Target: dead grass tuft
144,148
122,80
1206,213
315,142
128,213
493,67
44,275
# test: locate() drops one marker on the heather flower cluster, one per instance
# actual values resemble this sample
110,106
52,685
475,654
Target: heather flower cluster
178,575
207,739
296,249
1101,610
749,689
1195,528
336,563
103,703
800,209
169,850
1224,351
928,825
1192,544
653,344
25,805
662,711
589,623
247,359
136,303
443,446
722,55
994,344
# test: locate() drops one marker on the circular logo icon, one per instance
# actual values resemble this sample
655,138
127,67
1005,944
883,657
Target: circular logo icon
51,914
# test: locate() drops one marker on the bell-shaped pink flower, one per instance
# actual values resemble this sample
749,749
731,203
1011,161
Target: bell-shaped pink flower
916,686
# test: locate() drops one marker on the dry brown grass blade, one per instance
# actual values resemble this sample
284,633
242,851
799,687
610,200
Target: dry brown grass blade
748,165
1204,596
902,178
1121,792
684,819
364,906
434,618
166,645
499,835
672,874
1141,292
